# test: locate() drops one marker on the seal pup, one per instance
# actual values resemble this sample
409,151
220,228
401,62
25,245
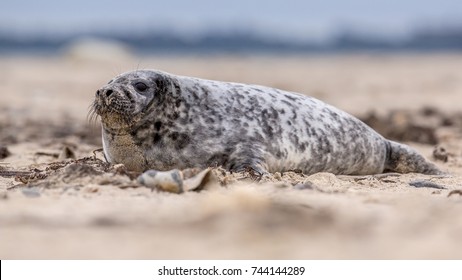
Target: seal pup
156,120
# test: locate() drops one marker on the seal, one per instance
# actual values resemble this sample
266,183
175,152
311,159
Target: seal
156,120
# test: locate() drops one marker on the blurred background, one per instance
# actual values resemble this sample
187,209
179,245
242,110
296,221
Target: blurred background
239,26
396,64
358,55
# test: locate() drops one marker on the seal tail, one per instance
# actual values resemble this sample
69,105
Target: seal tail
403,159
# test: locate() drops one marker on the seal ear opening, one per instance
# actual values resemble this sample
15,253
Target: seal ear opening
161,83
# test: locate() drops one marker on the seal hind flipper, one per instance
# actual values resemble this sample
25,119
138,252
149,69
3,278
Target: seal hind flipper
248,163
403,159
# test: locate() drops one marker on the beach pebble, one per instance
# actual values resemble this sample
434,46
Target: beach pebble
31,192
440,153
4,152
3,195
426,184
459,192
169,181
173,180
200,181
90,189
66,152
307,185
277,176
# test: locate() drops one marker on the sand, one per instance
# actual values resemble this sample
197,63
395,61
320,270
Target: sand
59,200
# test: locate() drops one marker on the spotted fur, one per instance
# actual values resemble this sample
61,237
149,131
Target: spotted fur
182,122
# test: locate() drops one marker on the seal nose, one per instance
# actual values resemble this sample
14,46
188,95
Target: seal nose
108,92
104,92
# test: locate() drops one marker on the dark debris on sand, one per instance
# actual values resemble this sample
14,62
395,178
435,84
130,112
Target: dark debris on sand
418,126
4,152
19,130
89,165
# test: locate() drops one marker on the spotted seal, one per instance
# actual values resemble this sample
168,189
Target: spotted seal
156,120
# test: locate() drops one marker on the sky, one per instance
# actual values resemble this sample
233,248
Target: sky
303,19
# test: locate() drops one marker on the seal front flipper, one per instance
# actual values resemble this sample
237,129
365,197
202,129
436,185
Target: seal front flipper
403,159
254,168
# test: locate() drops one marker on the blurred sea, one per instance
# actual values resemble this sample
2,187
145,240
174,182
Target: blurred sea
239,26
441,40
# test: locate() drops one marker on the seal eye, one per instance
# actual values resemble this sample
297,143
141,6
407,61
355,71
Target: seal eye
141,86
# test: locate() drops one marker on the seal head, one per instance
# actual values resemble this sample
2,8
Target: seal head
124,105
124,100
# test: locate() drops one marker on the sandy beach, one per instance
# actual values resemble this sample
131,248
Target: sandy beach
60,200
